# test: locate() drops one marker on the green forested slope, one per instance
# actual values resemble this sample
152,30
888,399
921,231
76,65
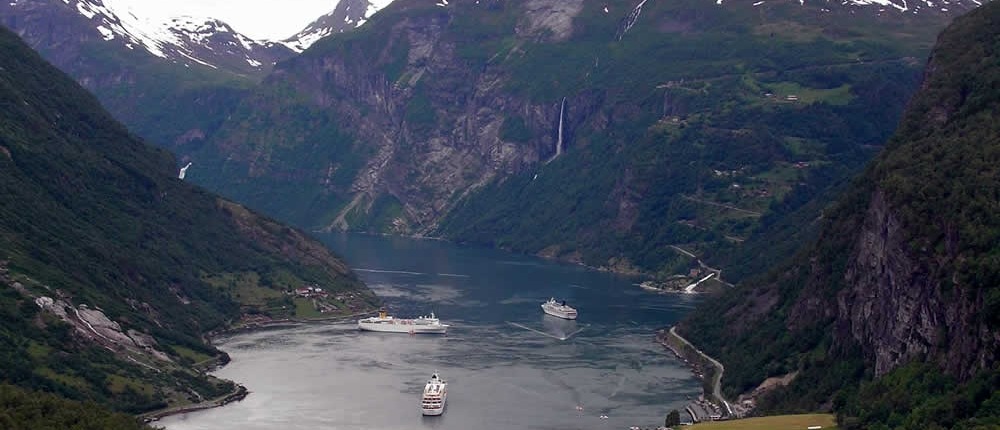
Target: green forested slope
701,148
112,269
892,314
25,410
679,131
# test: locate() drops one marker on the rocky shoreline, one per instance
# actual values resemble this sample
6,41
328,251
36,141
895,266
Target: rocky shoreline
238,394
223,359
711,405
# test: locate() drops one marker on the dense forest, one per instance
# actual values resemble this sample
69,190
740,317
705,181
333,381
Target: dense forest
112,270
890,316
24,410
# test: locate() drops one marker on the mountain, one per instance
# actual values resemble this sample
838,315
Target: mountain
596,133
891,316
113,270
348,14
184,40
168,101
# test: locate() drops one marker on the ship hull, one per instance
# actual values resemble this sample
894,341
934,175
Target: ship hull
558,314
403,328
435,397
433,412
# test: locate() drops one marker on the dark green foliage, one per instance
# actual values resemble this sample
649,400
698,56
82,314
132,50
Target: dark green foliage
918,396
685,94
379,218
514,129
940,179
93,216
420,114
309,148
673,419
157,99
651,116
951,142
669,172
26,410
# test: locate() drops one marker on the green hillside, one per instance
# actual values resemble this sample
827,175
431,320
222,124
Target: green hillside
24,410
111,269
890,316
713,129
703,149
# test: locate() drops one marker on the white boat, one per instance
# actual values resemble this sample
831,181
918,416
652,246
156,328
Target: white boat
561,310
385,323
435,395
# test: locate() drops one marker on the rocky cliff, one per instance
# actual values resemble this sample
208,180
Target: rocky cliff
579,130
905,270
400,89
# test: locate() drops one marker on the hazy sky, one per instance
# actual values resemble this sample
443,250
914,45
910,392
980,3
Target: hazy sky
259,19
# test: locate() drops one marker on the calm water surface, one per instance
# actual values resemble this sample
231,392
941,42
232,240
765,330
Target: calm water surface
508,365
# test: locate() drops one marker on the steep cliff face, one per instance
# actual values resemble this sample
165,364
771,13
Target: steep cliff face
906,268
923,274
578,130
431,124
902,306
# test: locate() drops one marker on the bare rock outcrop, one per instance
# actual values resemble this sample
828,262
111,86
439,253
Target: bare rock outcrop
898,309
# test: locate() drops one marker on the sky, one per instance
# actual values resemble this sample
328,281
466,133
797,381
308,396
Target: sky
258,19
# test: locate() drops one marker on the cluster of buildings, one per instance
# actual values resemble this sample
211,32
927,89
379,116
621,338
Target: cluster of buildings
311,292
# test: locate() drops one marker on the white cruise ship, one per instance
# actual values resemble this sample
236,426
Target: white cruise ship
385,323
561,310
435,395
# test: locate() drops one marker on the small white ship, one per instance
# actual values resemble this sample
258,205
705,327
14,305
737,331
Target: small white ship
561,310
435,395
385,323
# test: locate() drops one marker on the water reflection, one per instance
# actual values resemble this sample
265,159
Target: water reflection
561,328
508,364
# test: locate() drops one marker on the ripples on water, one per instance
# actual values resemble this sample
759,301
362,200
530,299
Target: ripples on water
506,363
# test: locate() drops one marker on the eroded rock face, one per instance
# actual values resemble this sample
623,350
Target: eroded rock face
898,309
426,165
94,325
554,16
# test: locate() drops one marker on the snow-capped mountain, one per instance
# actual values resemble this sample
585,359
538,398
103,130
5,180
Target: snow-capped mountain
913,6
347,15
188,40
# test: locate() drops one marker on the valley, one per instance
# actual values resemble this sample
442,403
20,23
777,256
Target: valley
826,172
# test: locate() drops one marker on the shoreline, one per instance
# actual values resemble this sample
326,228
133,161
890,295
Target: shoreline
221,360
711,369
633,273
236,395
289,322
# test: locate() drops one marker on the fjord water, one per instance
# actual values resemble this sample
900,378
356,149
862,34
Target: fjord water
508,365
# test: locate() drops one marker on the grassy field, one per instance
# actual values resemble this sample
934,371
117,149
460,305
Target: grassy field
780,422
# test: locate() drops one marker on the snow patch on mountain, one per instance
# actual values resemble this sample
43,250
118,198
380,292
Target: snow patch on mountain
347,15
900,5
184,39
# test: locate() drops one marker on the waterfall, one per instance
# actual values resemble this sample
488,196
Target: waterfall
183,172
559,140
630,20
562,115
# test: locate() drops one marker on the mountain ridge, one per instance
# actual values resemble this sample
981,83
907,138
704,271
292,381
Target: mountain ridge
113,270
444,120
889,317
187,40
